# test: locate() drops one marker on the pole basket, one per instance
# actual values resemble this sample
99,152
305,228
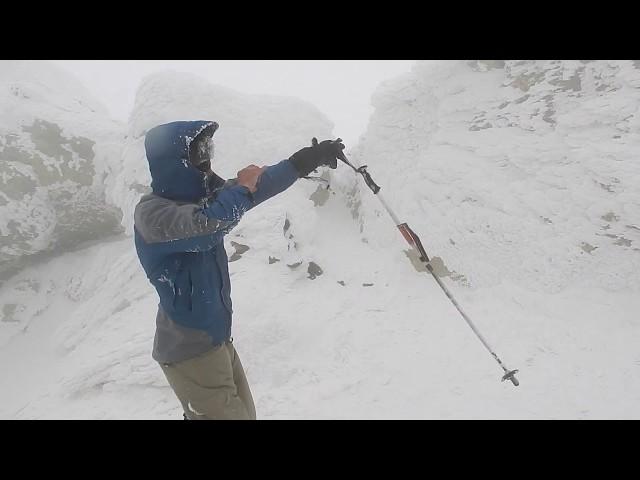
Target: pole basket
511,375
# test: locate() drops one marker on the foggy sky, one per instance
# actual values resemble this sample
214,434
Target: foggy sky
341,89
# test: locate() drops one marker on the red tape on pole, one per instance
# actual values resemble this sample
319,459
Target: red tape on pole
406,233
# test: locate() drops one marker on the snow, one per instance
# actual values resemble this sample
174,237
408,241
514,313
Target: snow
56,143
331,319
513,185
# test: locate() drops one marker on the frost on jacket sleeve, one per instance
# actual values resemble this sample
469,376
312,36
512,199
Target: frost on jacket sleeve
188,227
229,204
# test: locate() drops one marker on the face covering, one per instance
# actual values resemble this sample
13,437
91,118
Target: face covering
201,153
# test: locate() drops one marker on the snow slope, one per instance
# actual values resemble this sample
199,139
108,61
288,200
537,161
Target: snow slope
330,318
317,349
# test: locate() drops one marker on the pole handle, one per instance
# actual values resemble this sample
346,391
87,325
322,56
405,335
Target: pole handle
361,170
367,179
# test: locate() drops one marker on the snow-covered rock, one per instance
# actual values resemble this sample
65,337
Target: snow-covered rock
258,129
253,129
519,170
57,145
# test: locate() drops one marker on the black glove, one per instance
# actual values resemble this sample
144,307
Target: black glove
323,153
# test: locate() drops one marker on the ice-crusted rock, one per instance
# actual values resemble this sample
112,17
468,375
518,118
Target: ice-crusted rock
526,170
57,145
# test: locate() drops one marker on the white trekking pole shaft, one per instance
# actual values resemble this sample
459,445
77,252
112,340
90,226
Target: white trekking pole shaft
414,241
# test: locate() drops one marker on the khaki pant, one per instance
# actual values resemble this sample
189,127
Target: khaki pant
212,386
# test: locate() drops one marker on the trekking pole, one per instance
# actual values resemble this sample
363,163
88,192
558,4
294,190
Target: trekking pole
414,241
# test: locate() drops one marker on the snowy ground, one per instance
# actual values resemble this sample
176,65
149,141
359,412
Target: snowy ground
317,349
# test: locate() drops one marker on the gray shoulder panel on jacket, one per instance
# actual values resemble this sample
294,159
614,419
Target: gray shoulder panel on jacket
159,219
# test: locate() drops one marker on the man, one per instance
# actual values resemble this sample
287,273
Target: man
179,232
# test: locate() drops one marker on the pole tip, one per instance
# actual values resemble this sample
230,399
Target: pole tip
511,375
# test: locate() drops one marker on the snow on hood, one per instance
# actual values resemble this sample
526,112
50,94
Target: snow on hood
167,149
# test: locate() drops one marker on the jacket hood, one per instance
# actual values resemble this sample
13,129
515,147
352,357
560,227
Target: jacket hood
173,176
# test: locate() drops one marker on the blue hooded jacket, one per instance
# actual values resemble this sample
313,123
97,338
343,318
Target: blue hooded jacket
179,231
